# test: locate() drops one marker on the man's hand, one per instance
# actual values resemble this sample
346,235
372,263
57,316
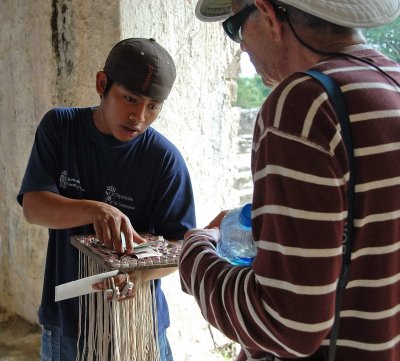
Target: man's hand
213,226
127,284
58,212
109,222
216,222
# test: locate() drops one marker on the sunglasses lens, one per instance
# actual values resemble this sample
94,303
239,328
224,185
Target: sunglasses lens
232,25
231,29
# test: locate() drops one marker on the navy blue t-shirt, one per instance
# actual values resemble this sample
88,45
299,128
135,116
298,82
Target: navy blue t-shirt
146,178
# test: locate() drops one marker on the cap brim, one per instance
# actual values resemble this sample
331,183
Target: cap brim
213,10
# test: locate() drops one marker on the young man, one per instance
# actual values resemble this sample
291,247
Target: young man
283,307
104,170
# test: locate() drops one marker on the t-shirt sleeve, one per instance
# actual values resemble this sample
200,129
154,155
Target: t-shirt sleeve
41,171
175,211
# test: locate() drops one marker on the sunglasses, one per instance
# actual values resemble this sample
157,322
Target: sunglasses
233,24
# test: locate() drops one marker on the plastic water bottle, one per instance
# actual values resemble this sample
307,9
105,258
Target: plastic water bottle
236,244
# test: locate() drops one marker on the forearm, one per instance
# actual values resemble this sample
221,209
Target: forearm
55,211
238,300
157,273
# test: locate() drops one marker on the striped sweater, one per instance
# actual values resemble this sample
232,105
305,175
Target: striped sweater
284,304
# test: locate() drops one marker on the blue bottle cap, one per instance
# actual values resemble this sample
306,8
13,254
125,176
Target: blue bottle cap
245,215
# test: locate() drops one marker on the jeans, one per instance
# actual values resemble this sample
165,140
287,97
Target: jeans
55,347
165,349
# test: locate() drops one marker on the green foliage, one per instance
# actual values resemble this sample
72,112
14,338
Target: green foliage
386,39
252,92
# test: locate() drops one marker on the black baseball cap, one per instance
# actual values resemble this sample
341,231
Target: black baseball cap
142,66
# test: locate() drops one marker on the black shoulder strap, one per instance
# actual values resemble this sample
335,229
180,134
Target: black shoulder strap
337,100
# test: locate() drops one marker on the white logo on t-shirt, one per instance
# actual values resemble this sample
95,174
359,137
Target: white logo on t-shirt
112,197
66,182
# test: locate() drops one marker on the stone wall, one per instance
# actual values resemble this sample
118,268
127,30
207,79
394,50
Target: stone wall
49,54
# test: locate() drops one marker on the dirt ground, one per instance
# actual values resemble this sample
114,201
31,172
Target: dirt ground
19,340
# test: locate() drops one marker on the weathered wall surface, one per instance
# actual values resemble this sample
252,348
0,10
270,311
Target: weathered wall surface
49,54
25,93
197,116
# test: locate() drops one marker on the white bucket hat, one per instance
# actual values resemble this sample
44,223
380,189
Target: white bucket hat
348,13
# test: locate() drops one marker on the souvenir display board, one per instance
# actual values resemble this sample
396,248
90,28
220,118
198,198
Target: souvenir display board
121,331
155,253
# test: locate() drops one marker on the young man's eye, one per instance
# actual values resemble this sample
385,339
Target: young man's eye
130,99
155,106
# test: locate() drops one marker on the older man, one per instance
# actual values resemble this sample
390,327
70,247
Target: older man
284,305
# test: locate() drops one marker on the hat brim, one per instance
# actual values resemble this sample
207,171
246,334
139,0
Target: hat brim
348,13
351,13
213,10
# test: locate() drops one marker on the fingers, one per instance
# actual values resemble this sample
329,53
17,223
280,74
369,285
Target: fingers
99,232
128,291
117,280
98,286
132,238
114,233
137,238
109,222
116,239
118,288
216,222
191,232
103,232
127,230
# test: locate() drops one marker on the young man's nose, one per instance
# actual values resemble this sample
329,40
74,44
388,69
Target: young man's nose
138,114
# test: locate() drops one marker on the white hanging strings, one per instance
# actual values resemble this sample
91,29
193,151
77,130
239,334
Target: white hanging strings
117,331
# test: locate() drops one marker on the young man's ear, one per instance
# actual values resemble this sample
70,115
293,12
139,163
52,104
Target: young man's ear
101,82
